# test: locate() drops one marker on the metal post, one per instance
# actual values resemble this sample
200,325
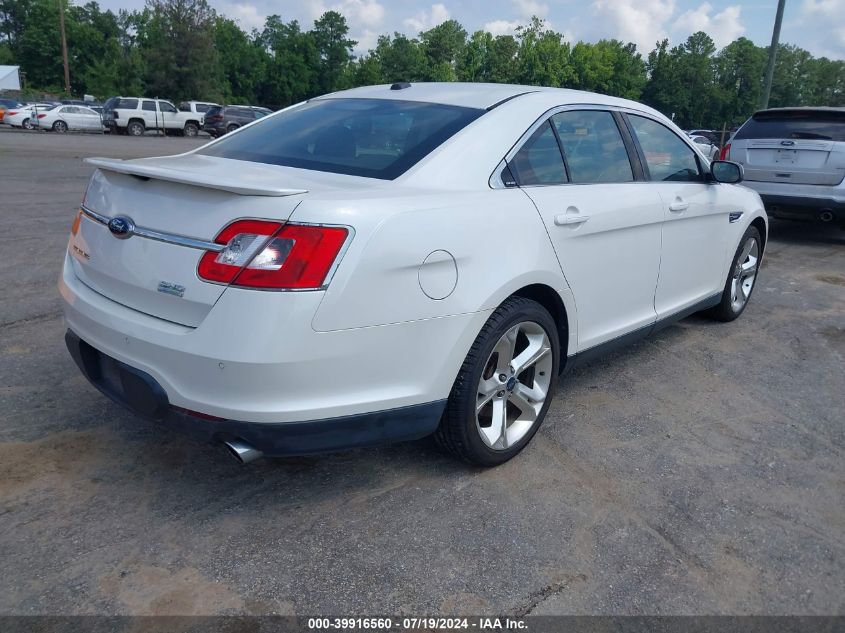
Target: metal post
64,45
773,51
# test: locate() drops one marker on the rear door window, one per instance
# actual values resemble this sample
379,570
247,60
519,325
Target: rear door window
149,106
539,161
795,124
593,147
127,104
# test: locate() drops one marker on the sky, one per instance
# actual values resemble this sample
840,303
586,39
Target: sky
815,25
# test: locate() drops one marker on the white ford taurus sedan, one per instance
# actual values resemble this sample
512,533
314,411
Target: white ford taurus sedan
389,262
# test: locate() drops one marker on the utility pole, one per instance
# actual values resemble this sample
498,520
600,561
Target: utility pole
773,51
64,45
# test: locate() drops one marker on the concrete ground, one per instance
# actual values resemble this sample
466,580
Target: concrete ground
699,471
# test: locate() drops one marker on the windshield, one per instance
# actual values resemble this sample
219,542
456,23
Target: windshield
820,125
360,137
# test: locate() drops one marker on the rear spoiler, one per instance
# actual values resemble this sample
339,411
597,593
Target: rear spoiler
192,178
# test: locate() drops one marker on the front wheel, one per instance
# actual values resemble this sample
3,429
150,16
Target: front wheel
504,387
60,127
741,278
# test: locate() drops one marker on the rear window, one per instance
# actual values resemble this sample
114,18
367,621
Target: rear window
824,126
374,138
185,107
214,110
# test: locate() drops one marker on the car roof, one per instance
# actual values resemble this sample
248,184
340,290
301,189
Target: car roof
800,109
473,95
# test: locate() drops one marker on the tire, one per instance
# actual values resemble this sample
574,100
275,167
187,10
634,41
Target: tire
27,125
466,433
191,129
60,127
742,277
231,128
135,128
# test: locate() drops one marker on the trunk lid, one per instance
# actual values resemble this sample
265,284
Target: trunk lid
190,196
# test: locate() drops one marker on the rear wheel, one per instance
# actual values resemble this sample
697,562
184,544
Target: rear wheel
60,127
504,387
191,129
741,278
135,128
27,124
231,128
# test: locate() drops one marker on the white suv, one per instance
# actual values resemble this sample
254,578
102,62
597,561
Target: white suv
795,159
389,262
134,116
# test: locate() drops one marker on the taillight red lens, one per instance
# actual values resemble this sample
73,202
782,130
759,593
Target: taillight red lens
268,255
726,152
243,239
41,116
298,257
12,112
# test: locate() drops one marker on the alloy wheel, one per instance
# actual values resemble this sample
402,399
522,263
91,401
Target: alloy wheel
514,385
744,274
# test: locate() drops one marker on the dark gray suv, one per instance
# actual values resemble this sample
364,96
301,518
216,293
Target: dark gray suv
222,119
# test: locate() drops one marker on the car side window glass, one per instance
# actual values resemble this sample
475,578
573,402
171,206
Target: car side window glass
185,107
201,107
593,146
150,106
166,107
667,156
538,161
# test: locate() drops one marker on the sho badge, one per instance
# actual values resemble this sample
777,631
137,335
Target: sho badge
171,289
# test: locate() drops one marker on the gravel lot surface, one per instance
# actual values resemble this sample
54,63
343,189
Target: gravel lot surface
699,471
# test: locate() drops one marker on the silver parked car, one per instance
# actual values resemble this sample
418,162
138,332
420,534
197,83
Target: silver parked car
795,159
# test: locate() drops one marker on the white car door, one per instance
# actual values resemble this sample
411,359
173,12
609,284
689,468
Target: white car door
169,115
90,119
696,218
150,114
603,223
70,115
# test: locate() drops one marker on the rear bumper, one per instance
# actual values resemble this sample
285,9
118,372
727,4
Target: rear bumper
255,356
139,392
803,201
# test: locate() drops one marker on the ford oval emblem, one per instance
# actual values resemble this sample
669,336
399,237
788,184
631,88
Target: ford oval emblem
121,227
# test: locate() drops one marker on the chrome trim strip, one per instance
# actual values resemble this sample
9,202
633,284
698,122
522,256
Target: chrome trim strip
158,236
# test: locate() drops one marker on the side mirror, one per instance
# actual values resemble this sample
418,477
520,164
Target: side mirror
726,171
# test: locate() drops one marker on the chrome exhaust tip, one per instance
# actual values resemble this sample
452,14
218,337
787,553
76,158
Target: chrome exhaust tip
242,451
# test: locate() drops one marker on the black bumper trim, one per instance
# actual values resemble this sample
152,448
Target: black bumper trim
141,393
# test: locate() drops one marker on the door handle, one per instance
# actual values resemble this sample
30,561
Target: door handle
568,219
679,205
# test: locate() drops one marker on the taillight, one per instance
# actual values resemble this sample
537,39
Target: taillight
12,112
41,116
261,254
74,228
726,152
217,117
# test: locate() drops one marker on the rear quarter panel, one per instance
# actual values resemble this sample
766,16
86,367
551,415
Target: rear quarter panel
497,239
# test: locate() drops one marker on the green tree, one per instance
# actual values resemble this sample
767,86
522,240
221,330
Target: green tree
443,47
739,74
292,71
178,49
334,50
401,58
543,57
243,62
